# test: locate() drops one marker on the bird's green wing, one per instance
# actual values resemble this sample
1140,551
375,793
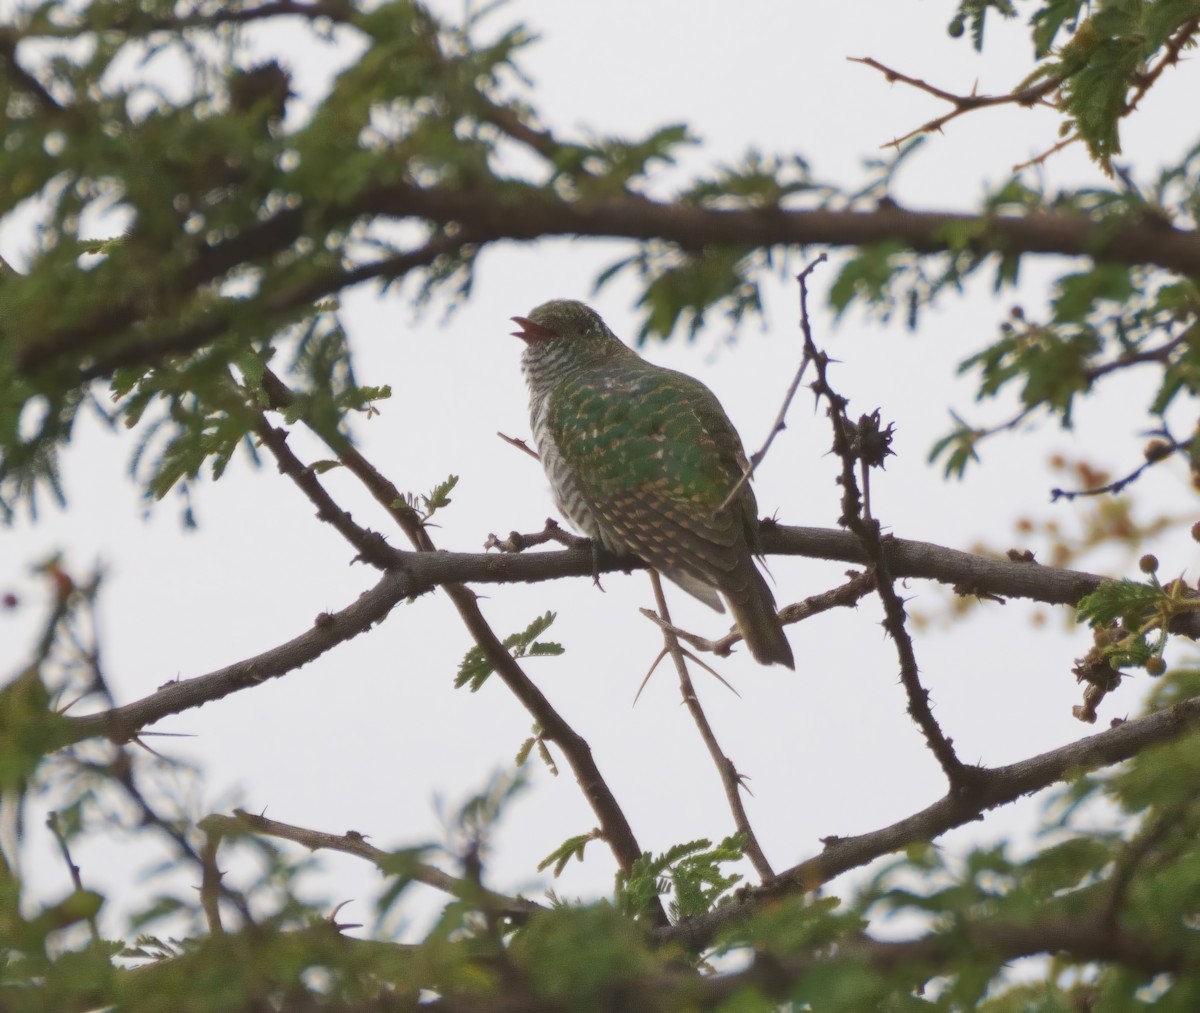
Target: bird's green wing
655,456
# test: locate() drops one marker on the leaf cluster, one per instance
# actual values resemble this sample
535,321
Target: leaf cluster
691,873
475,666
1102,321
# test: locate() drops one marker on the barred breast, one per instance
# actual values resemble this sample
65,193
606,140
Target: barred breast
564,483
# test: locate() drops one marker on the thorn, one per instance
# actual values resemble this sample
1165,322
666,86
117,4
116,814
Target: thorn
661,654
711,671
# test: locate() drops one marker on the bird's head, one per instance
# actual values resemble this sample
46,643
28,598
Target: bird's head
566,327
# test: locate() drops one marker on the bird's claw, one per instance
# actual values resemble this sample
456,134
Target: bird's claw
596,563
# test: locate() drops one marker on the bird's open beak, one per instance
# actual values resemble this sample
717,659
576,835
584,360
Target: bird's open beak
530,331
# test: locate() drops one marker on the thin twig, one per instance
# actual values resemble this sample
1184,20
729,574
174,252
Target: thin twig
1054,149
1029,97
730,778
867,531
1161,355
1162,449
371,546
512,441
121,770
354,843
552,532
76,877
780,422
1132,858
962,104
210,882
845,595
1174,48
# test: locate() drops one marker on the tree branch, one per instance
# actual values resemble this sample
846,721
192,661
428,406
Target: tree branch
120,724
371,545
353,843
1027,97
218,317
1081,939
845,595
775,976
866,444
991,788
521,212
418,573
731,780
529,213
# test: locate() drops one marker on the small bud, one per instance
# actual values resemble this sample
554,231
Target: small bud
1156,450
1148,563
1155,666
1017,313
955,28
1196,531
11,601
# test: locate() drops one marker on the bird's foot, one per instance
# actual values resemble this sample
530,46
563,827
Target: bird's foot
596,550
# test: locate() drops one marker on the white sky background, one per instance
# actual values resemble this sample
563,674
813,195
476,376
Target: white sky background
367,737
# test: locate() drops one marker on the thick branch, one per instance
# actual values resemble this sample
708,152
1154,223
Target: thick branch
968,572
421,572
1082,940
775,976
529,213
521,212
989,789
330,629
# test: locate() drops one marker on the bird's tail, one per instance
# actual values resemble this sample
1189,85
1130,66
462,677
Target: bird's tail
760,626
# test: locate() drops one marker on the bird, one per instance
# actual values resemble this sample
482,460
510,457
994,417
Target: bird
641,459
